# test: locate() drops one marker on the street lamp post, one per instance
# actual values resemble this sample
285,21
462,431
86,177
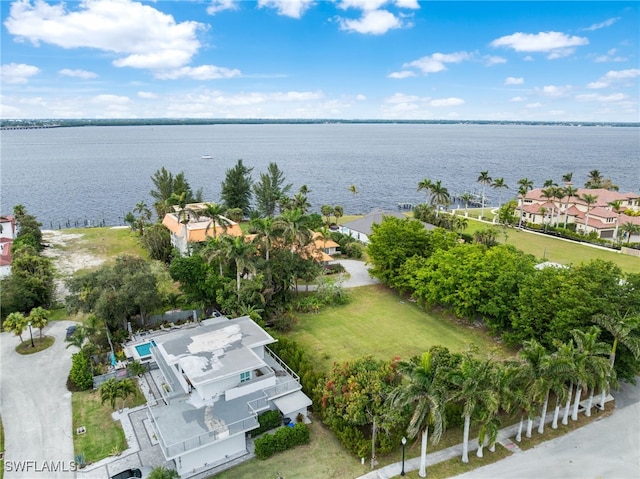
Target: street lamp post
404,441
30,334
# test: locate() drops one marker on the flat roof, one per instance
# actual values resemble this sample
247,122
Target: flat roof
217,349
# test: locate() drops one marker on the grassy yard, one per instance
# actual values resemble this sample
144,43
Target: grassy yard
105,242
104,436
378,322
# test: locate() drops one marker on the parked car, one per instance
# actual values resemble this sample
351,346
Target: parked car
141,473
71,330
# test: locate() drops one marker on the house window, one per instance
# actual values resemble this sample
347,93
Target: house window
244,377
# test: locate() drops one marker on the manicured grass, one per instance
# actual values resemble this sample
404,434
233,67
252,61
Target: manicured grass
378,322
455,466
39,345
104,436
322,458
105,242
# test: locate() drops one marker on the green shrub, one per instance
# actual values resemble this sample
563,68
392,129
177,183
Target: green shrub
80,374
268,420
283,439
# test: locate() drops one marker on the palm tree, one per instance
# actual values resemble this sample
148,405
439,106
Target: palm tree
535,377
594,180
39,317
484,179
424,392
293,225
549,194
569,193
338,212
566,178
513,392
630,229
475,382
560,381
300,202
16,323
109,392
125,388
625,330
439,196
589,367
466,198
499,184
426,185
589,200
543,212
616,206
78,337
215,214
525,186
145,215
242,253
265,233
327,211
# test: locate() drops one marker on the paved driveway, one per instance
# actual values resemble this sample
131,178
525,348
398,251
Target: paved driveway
358,273
36,407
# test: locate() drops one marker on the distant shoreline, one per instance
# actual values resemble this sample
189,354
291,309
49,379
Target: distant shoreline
23,124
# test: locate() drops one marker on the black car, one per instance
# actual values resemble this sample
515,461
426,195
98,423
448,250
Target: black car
128,474
70,331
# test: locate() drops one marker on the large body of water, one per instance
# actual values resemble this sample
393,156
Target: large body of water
90,175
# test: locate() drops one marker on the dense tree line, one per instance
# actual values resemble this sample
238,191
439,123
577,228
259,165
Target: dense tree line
501,287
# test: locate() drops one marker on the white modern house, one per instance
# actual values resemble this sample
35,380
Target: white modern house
217,378
7,235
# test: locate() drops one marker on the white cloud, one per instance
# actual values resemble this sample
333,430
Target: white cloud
111,99
217,6
513,81
139,35
83,74
17,72
412,4
614,76
287,8
373,22
147,95
556,44
203,72
447,102
361,97
601,98
436,62
557,112
533,105
366,5
403,98
517,99
606,23
401,74
610,57
491,60
555,90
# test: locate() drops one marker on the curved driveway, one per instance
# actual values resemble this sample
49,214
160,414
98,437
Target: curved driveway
36,407
358,273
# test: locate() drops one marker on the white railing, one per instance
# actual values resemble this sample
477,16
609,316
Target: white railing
273,356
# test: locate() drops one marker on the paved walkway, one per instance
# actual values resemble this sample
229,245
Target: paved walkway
36,407
604,448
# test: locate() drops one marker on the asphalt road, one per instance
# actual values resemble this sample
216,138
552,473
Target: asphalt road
36,408
605,449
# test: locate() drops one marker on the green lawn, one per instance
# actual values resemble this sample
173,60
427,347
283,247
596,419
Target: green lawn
105,242
104,436
378,322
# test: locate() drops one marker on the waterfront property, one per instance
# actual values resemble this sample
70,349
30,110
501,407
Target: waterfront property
361,228
218,376
7,235
189,226
600,216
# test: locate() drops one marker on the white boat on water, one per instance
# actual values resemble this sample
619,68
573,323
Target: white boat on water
207,157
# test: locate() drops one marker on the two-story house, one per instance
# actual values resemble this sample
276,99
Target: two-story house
218,377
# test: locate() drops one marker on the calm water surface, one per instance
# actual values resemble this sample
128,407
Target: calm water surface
93,174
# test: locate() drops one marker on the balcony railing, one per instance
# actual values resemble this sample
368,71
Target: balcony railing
281,363
171,451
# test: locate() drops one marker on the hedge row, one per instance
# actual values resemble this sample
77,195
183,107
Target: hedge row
268,420
281,440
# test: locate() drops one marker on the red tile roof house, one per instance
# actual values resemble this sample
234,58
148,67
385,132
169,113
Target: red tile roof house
7,234
602,219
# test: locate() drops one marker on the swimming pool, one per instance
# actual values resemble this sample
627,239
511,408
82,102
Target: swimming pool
144,349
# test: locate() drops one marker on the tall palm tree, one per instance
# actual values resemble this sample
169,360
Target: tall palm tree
525,186
594,179
125,388
484,179
215,214
549,194
566,178
625,330
616,207
423,391
242,253
265,233
293,225
39,317
426,185
589,352
466,199
569,192
535,377
300,202
338,212
439,196
629,229
475,386
589,200
560,382
499,184
109,392
327,211
514,396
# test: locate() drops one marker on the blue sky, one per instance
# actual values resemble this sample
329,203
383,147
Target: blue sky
343,59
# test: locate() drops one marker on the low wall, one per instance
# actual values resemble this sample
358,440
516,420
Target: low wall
630,251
